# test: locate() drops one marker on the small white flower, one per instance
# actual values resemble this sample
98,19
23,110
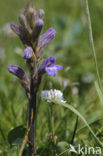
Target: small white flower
53,94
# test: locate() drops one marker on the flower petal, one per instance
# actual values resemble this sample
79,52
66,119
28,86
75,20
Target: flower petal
50,61
52,71
47,63
59,67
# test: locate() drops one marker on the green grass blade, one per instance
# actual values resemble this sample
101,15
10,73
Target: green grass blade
99,93
92,41
91,123
75,129
79,115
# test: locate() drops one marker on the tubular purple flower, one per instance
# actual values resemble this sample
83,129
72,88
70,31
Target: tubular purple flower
28,53
16,28
48,65
47,37
47,62
44,40
17,71
53,70
37,29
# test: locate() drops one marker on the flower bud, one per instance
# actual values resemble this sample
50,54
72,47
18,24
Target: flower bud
44,40
16,28
28,52
17,71
31,16
22,20
37,29
21,32
47,37
31,10
40,13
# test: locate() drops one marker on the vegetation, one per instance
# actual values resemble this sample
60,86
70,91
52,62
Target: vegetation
78,80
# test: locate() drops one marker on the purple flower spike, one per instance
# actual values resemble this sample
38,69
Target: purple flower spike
48,65
16,28
47,37
16,71
37,29
27,53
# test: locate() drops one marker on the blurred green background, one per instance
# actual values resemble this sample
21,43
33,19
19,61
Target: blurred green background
71,47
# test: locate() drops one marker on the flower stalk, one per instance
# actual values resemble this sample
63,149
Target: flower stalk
52,123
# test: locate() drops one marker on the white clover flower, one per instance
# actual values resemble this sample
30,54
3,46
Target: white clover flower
53,94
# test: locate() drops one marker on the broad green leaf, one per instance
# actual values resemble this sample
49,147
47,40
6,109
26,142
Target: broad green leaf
15,134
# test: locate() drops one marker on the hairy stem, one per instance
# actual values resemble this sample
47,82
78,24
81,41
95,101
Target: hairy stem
32,106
